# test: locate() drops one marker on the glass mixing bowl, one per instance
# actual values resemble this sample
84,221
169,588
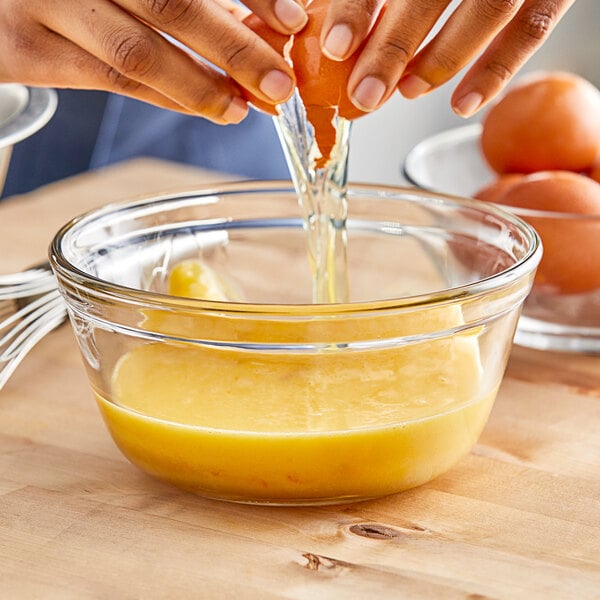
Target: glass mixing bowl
261,396
563,318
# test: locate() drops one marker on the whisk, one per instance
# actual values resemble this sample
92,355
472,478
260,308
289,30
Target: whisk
30,307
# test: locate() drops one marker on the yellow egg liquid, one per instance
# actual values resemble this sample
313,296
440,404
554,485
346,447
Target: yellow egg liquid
299,428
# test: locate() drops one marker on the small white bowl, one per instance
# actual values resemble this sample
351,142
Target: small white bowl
449,162
23,111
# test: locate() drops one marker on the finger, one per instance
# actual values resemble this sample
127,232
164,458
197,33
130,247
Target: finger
239,11
507,54
393,42
285,16
346,25
134,52
56,62
465,34
218,36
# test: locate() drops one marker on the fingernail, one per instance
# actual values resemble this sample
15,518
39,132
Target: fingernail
468,104
236,111
338,42
412,86
291,15
369,93
276,85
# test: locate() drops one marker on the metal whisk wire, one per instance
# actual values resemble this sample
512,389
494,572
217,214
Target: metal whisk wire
30,307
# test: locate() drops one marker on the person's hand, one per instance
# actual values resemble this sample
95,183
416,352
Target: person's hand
503,34
118,46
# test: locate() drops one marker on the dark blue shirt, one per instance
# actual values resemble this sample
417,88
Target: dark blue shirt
94,129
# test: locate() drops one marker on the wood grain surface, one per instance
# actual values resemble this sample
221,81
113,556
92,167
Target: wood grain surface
518,518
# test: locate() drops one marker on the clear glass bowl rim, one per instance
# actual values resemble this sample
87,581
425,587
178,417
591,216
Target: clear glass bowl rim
466,134
62,267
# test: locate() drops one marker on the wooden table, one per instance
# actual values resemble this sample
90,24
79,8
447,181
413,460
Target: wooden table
518,518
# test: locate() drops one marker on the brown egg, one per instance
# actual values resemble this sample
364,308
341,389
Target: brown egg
322,82
546,121
494,190
567,218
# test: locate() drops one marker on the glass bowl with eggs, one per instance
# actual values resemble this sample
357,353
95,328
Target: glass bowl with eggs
536,153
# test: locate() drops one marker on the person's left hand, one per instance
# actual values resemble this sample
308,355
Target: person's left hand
503,34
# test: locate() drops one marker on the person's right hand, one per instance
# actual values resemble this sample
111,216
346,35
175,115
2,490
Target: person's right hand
497,36
118,46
